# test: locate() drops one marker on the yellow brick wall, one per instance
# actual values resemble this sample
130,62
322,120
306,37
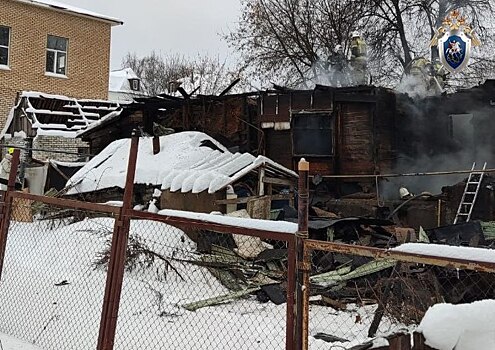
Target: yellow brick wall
88,54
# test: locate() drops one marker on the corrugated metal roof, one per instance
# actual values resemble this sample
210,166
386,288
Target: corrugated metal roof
188,162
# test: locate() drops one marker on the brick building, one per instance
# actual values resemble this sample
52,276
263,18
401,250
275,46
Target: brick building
53,48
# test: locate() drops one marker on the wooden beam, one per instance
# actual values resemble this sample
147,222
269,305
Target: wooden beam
276,181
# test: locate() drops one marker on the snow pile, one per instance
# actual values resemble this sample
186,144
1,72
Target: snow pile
460,327
187,161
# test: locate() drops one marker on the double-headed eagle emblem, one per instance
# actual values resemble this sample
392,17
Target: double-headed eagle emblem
454,40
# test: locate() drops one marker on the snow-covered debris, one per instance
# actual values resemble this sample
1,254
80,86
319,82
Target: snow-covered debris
152,208
188,162
460,327
56,115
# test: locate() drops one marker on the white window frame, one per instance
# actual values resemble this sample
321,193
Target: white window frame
57,53
6,66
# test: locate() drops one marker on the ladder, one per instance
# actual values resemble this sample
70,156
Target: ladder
470,194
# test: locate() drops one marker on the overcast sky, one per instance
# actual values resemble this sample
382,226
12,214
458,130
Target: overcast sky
167,26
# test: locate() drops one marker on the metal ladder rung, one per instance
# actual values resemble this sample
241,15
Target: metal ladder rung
475,179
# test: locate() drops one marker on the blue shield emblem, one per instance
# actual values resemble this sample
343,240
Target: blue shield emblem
454,49
454,40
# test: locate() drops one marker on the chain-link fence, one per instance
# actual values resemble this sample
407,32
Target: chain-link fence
357,298
183,288
200,289
51,290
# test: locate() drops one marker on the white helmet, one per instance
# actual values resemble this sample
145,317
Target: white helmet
403,192
355,34
337,48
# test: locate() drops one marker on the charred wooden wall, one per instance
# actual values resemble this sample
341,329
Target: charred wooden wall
230,120
203,202
363,129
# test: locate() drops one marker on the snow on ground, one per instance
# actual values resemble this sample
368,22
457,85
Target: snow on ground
51,295
10,343
460,327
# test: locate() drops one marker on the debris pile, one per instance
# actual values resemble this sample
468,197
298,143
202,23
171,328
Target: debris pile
402,291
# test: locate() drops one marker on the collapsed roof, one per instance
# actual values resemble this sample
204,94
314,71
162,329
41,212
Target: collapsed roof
43,114
188,162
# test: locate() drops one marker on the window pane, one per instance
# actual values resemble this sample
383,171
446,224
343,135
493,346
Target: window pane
312,134
61,63
4,56
57,43
4,36
50,61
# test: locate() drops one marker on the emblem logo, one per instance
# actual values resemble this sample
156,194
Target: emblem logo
454,41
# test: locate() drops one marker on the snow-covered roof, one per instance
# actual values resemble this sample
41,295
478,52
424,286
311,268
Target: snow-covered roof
119,83
58,6
119,80
43,114
189,161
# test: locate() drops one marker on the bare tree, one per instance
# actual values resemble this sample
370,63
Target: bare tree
286,40
202,74
156,71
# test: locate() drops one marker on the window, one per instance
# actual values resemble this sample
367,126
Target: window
4,45
134,84
56,55
312,134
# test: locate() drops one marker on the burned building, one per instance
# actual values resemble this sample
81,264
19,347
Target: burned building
230,119
353,138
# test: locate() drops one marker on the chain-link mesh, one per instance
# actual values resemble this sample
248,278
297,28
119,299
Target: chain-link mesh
51,291
357,299
192,289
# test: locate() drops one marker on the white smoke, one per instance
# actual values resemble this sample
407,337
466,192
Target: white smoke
415,86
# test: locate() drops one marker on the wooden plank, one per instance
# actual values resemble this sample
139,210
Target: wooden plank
400,342
276,181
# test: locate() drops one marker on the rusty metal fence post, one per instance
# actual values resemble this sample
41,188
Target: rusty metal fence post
116,265
302,264
6,206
